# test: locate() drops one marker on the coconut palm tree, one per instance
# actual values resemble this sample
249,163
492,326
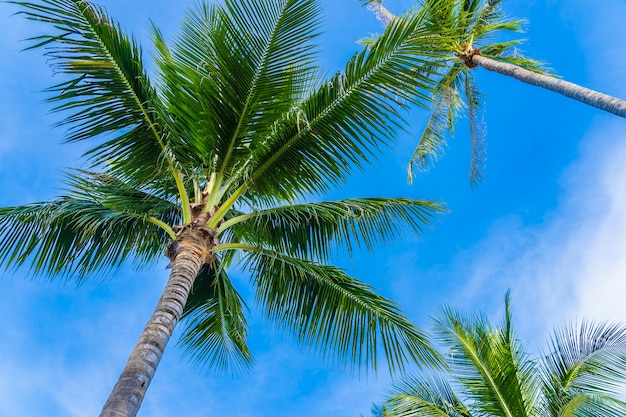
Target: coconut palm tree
215,161
491,374
473,25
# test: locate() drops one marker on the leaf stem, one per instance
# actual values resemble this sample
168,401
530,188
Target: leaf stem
162,225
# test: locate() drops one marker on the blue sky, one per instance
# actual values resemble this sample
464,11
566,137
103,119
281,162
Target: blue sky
549,222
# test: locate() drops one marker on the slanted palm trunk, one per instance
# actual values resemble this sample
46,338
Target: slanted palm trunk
382,14
196,243
585,95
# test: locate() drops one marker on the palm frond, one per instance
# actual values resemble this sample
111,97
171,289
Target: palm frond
233,72
426,396
442,121
99,225
316,230
593,405
489,363
106,91
334,313
585,359
216,328
345,120
115,194
477,128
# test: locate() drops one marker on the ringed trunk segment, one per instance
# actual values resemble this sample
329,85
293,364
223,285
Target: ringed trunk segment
131,387
194,246
587,96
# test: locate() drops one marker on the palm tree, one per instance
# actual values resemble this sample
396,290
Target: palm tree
215,162
491,374
474,25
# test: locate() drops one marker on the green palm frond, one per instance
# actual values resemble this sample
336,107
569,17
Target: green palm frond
448,107
589,359
489,363
341,124
75,238
216,328
334,313
113,193
98,226
106,91
592,405
233,73
426,396
489,373
315,230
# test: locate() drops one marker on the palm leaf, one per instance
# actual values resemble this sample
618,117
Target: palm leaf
442,120
315,230
427,396
347,119
97,227
590,360
107,91
216,328
593,405
333,312
477,130
489,363
232,73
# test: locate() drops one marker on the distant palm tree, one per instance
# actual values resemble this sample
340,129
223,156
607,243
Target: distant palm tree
213,162
491,374
472,26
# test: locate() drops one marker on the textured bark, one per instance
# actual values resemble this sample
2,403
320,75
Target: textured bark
585,95
473,59
383,15
131,387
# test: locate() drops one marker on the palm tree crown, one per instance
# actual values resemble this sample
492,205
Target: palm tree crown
472,28
491,374
212,161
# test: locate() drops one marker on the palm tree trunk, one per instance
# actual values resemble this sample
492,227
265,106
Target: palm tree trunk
131,387
585,95
383,15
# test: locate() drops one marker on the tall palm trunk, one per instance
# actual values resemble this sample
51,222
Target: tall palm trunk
131,387
473,58
585,95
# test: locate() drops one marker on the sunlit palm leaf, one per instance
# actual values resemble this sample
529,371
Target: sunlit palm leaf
111,192
430,396
490,375
341,124
490,364
477,130
592,405
107,90
442,121
335,313
590,359
75,238
236,71
99,225
216,328
315,230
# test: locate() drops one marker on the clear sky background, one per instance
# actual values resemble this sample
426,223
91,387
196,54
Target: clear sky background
549,222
